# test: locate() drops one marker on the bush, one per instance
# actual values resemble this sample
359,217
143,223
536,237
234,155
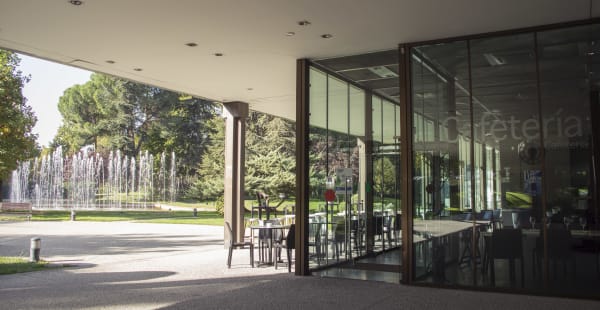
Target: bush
220,205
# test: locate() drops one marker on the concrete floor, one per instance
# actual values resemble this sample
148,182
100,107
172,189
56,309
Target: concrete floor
154,266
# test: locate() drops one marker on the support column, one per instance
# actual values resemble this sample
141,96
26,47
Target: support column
235,114
302,165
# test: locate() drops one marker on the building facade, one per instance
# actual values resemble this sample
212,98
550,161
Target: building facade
467,162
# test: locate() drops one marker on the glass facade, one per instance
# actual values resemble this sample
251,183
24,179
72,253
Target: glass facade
354,165
504,151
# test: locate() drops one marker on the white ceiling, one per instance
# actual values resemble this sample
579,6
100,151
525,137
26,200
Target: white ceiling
151,34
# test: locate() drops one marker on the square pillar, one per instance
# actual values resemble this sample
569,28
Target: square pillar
235,114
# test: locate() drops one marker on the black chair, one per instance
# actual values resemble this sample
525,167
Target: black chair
242,244
314,239
507,244
467,253
388,229
559,249
289,244
338,238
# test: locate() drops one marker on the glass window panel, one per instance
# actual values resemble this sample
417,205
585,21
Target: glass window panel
318,98
506,118
377,120
334,150
337,105
357,111
566,84
442,247
318,161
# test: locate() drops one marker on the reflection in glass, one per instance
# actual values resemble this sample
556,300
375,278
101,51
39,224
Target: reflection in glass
442,232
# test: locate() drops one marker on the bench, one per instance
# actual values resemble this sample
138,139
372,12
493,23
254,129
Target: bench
16,208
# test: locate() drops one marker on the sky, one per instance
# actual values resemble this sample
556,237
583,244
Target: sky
48,82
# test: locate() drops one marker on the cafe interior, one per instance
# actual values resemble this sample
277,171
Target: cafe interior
465,162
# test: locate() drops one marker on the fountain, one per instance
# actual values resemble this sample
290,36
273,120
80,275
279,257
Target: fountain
87,180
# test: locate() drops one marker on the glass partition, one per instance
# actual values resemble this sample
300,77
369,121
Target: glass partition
568,66
504,161
442,160
336,133
503,174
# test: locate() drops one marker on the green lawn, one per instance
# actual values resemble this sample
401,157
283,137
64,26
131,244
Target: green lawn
9,265
168,217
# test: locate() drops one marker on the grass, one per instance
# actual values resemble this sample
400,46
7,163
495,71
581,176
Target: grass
10,265
165,217
191,205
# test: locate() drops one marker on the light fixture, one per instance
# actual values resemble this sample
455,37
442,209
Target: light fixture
76,2
493,60
383,72
137,69
327,36
218,54
290,34
110,61
192,44
249,88
304,23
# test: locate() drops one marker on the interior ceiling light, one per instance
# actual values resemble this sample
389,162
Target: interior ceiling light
383,72
291,33
493,60
110,62
327,36
76,2
137,69
218,54
249,88
191,44
304,23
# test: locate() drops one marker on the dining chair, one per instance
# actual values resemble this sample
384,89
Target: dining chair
314,239
289,244
266,237
338,236
470,254
559,249
507,244
388,229
241,244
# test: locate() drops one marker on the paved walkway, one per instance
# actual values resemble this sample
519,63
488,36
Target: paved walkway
151,266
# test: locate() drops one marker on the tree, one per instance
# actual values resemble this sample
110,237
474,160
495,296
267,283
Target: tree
17,142
211,170
115,114
91,112
270,158
270,148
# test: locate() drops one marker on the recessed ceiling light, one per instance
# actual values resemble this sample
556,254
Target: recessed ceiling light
137,69
304,23
218,54
191,44
76,2
291,33
110,62
249,88
326,36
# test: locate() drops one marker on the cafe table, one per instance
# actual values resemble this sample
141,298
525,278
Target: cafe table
269,232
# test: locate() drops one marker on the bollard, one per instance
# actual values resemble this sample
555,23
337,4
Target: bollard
34,249
195,212
73,215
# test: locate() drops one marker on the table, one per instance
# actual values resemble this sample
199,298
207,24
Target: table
268,232
437,234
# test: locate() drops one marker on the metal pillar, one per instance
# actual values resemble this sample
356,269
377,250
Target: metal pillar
235,114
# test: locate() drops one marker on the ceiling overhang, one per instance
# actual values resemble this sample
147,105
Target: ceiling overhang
147,40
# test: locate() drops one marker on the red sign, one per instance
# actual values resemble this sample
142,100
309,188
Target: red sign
329,195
